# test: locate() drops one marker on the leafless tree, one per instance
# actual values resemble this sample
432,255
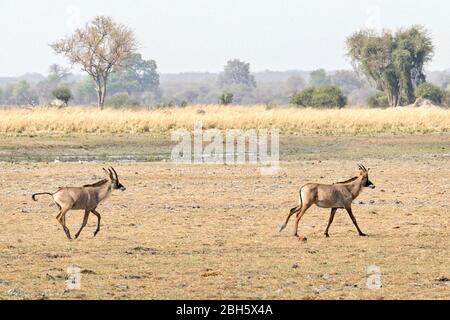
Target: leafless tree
99,48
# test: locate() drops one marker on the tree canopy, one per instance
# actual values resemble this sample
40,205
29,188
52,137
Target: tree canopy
101,47
237,72
136,77
392,62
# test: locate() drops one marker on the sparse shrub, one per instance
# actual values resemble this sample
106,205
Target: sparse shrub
320,96
270,106
62,93
119,100
226,98
431,92
447,98
164,105
378,100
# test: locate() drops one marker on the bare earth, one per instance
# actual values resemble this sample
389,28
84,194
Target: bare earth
192,232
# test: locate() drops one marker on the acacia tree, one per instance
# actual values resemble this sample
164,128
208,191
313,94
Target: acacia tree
237,72
393,63
101,47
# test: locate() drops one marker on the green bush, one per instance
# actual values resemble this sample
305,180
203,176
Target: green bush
447,98
62,93
320,96
378,100
119,100
226,98
303,98
431,92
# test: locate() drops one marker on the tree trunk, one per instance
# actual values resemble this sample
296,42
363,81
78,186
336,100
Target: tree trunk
103,94
393,100
99,98
396,100
98,89
101,91
390,100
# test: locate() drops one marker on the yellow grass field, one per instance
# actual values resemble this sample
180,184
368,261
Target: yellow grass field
303,121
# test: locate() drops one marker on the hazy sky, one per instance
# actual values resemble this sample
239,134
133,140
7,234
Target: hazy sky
201,35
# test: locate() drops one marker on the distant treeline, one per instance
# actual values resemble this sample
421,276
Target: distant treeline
270,87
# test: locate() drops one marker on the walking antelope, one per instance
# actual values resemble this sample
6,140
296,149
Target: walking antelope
335,196
86,198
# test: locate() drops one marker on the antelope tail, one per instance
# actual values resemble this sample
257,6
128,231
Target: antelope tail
42,193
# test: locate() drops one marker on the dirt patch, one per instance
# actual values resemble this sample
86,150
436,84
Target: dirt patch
153,243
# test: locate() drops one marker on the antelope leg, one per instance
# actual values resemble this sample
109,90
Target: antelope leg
297,222
333,212
62,220
98,223
85,220
350,213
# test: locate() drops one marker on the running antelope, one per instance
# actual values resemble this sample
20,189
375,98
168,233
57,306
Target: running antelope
335,196
86,198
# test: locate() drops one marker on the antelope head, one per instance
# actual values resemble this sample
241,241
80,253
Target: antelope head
115,184
365,182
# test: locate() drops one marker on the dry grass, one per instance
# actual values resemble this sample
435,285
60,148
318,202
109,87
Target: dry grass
211,232
78,120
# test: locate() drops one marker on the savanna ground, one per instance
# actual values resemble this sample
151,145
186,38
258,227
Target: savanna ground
211,231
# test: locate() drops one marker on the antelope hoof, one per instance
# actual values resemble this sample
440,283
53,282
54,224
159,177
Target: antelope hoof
363,234
327,235
95,233
67,232
301,238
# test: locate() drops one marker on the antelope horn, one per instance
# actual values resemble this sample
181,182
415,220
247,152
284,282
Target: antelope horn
111,175
108,172
362,167
117,177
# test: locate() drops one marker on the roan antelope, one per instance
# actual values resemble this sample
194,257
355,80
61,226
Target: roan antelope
339,195
86,198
